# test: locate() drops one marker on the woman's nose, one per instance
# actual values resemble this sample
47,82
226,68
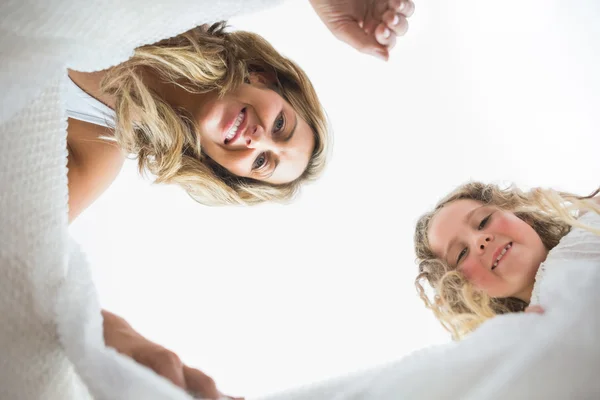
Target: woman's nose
251,137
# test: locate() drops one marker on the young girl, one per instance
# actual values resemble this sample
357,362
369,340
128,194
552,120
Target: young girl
482,246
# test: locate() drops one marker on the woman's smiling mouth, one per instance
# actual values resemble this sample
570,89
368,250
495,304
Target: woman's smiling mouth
235,128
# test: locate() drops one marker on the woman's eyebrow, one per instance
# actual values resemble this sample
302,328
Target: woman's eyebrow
276,162
291,134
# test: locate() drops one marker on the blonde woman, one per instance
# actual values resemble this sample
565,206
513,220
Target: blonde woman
223,115
482,247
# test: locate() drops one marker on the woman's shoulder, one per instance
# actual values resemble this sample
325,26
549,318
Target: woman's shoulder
93,164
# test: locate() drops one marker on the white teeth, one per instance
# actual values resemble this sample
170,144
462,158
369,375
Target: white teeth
236,125
504,250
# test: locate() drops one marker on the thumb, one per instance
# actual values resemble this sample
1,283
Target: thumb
351,33
199,383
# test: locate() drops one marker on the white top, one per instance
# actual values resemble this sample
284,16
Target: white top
83,107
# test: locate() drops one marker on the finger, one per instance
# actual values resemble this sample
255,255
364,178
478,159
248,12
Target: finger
168,365
356,37
404,7
397,23
369,26
232,398
385,36
534,309
373,12
199,383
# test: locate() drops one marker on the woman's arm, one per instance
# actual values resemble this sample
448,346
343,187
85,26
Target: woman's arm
119,335
93,164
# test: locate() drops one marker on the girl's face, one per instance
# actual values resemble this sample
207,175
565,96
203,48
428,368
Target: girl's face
495,250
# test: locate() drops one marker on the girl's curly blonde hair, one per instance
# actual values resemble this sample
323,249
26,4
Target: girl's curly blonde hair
164,139
456,303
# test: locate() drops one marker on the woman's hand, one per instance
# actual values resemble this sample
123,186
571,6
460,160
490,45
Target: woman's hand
119,335
370,26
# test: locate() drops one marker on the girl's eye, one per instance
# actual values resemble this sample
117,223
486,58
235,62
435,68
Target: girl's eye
461,255
484,222
279,123
260,161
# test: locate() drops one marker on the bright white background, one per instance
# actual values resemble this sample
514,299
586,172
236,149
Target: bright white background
274,296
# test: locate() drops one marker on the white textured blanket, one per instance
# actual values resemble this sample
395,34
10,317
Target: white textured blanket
517,356
50,323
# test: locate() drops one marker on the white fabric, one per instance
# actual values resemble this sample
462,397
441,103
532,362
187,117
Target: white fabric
50,323
518,356
83,107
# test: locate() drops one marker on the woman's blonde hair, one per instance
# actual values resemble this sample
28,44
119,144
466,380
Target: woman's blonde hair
456,303
164,139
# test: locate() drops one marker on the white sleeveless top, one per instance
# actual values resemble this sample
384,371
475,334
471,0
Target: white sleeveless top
83,107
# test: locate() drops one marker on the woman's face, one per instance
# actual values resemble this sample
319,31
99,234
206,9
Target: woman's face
495,250
253,132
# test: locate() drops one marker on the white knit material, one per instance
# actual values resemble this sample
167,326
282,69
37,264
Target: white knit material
51,344
518,356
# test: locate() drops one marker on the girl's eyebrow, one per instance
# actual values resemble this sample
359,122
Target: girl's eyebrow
473,211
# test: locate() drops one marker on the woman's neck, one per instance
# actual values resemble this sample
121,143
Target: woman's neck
89,82
175,95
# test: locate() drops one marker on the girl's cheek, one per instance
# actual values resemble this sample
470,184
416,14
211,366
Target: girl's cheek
477,275
469,270
506,223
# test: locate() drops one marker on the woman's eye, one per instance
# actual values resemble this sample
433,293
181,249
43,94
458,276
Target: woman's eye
461,255
484,222
279,123
260,161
